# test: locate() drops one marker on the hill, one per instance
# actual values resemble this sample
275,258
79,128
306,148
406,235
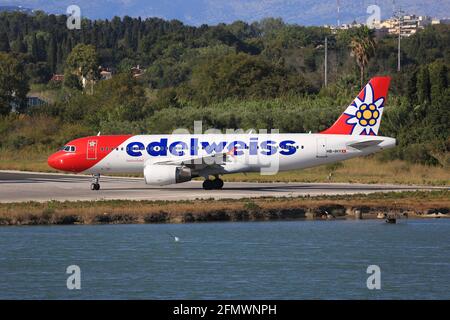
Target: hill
198,12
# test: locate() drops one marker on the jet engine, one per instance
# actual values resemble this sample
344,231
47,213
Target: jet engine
160,175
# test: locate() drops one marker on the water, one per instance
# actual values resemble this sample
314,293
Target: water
261,260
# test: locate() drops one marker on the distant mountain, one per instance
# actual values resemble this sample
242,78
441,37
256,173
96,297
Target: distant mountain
197,12
15,8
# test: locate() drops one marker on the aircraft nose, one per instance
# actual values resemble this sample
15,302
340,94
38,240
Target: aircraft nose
55,161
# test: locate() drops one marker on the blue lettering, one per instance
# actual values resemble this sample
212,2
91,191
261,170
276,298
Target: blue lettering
133,149
253,146
237,145
194,146
156,149
288,147
175,151
269,148
217,148
178,148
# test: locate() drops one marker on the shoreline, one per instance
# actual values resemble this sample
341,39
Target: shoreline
413,204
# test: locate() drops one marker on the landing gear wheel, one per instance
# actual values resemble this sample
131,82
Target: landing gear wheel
217,183
95,186
208,184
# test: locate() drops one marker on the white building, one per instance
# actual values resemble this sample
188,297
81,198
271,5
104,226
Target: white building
409,24
440,21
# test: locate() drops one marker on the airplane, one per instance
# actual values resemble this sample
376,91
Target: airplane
166,159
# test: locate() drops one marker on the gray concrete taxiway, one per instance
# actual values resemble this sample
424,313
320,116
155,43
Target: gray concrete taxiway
16,186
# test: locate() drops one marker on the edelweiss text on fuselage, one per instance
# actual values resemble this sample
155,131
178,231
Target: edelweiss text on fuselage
182,148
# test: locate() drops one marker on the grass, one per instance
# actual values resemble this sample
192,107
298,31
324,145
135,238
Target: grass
26,160
414,203
358,170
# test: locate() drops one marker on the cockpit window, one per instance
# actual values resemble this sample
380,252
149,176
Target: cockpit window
68,148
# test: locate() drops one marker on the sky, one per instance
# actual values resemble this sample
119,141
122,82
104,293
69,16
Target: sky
197,12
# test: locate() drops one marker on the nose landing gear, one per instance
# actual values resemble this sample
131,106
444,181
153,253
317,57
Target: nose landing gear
216,184
95,185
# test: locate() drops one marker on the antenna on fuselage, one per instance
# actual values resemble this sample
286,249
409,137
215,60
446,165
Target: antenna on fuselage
98,133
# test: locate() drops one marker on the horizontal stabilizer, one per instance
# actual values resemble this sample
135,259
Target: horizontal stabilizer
365,144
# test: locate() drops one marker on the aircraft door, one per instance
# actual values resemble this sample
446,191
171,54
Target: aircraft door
321,147
91,153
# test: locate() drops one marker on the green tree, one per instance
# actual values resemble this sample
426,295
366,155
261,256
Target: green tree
83,62
72,81
242,75
362,47
423,85
38,72
19,45
438,114
13,84
4,42
124,98
52,54
34,48
438,80
411,88
268,26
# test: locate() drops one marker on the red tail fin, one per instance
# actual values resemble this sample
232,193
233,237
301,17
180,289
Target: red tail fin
363,115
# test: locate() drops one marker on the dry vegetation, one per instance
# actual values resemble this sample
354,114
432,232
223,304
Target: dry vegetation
25,160
124,211
359,170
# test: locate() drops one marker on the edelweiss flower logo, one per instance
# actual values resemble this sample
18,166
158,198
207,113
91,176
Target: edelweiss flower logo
364,114
367,115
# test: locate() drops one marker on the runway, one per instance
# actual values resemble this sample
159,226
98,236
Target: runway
16,186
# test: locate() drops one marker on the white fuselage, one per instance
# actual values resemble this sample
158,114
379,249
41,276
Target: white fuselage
268,153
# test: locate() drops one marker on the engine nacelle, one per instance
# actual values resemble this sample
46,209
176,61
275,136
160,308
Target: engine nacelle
160,175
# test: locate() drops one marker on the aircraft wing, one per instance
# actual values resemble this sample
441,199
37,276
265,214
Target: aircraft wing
200,162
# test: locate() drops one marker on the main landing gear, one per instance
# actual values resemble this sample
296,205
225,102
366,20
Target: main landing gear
217,184
95,185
